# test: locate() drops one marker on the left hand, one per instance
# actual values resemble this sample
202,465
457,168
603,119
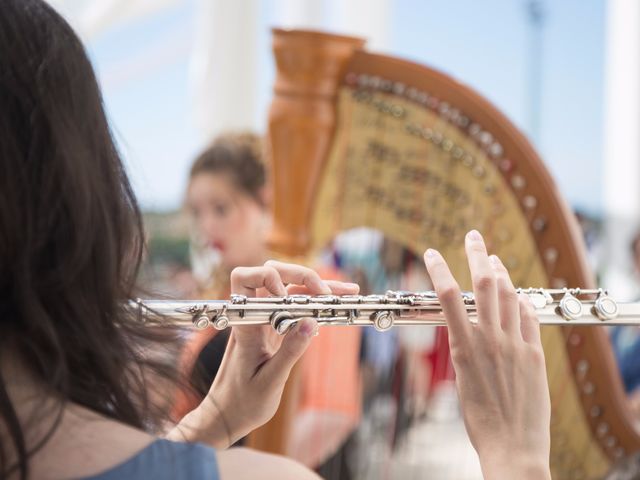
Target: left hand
257,362
499,364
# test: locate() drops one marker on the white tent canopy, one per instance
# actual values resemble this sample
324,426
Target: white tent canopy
90,17
216,71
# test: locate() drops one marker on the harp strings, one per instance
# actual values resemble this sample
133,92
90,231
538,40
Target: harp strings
427,189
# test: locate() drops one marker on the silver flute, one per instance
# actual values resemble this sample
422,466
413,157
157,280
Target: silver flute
567,306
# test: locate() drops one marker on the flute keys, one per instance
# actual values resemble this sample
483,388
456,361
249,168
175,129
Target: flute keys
238,299
538,300
383,320
201,321
605,308
570,307
221,322
282,321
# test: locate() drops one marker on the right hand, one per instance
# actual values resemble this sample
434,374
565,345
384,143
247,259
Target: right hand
500,367
257,361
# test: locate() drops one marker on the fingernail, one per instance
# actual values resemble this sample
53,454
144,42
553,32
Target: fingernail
307,328
474,235
495,261
327,289
431,253
351,285
525,298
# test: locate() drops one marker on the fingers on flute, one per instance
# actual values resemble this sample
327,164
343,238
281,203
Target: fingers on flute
450,299
343,288
507,298
245,280
529,324
337,288
483,279
299,275
293,346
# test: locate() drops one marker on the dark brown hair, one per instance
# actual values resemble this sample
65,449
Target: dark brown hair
70,233
240,155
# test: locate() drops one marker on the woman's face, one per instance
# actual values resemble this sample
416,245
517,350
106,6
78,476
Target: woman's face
228,220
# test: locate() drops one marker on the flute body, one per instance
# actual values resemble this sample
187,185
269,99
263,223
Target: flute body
567,306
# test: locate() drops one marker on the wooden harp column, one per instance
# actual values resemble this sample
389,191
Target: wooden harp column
359,139
302,119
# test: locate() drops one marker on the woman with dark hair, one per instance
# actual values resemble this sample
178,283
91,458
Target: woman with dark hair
83,383
81,377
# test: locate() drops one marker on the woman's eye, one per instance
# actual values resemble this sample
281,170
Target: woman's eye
220,209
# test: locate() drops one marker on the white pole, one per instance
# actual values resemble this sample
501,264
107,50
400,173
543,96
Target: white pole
621,142
306,14
224,66
364,18
370,19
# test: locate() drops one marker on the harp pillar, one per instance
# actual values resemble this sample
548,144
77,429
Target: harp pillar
301,124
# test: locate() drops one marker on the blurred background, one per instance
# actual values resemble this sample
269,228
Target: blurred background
175,73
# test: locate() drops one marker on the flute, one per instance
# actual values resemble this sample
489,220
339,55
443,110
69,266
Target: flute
566,306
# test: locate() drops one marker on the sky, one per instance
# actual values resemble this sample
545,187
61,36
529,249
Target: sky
143,68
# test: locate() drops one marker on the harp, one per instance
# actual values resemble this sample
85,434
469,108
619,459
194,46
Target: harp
365,140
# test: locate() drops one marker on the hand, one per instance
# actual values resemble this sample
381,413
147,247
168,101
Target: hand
257,362
499,363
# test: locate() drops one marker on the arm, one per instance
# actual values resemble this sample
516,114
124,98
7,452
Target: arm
500,367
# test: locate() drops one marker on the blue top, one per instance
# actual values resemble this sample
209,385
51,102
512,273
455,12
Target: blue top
166,460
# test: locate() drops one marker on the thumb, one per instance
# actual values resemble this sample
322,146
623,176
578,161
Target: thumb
293,345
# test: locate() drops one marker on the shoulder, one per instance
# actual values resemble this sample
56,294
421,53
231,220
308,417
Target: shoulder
195,461
247,464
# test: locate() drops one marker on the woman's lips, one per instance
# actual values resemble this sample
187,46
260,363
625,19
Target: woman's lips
217,246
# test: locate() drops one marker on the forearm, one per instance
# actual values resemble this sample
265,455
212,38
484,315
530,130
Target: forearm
514,466
204,424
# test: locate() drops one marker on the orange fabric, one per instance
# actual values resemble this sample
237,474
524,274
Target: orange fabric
331,373
330,368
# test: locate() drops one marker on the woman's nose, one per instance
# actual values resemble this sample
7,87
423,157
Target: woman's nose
209,224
